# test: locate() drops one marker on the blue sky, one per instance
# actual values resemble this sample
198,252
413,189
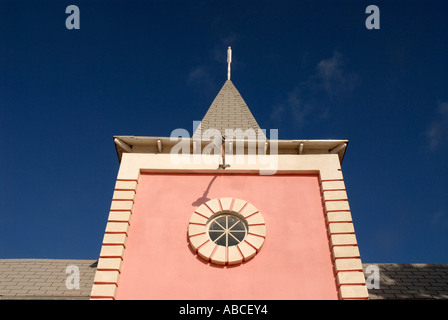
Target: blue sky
309,68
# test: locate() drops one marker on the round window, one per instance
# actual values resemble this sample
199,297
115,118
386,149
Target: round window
226,231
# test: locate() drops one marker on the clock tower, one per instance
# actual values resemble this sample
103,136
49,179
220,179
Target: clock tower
228,213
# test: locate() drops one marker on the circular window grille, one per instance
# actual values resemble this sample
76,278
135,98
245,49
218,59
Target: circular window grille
226,231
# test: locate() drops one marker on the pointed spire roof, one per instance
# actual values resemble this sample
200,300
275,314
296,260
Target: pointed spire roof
228,111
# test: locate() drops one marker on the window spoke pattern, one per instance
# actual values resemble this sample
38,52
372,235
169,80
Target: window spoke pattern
227,230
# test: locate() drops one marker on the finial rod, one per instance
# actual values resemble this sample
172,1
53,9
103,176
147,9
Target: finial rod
229,61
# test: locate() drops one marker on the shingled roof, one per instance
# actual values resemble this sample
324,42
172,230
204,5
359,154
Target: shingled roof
401,281
228,111
46,279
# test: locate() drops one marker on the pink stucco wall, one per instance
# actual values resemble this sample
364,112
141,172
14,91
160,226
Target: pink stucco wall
294,262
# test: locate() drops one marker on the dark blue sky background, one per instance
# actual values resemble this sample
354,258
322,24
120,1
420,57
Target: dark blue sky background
309,68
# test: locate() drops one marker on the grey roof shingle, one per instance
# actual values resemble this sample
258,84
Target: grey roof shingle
409,281
228,111
46,279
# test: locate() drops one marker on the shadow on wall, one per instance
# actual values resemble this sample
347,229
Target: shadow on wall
204,197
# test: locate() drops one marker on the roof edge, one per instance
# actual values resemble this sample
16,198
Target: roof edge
142,144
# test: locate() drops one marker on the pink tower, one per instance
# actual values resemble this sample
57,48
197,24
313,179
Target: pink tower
229,214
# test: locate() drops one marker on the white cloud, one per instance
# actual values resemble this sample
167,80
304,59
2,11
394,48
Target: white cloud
293,106
198,74
298,106
220,50
200,77
277,113
439,220
331,76
437,132
329,80
208,76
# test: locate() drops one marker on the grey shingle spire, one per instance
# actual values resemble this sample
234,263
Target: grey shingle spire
229,111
